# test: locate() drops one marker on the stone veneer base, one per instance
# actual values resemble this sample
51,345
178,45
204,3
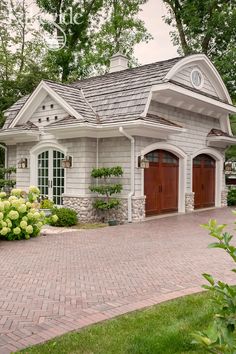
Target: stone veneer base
224,195
86,212
189,202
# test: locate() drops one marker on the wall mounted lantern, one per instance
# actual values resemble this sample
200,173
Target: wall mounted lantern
67,162
143,162
230,167
23,163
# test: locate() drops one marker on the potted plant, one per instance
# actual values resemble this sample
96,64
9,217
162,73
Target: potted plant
105,189
46,205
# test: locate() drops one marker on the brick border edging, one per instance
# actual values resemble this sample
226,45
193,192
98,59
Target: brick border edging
65,324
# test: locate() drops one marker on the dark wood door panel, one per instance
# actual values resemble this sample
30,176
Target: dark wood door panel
204,181
161,183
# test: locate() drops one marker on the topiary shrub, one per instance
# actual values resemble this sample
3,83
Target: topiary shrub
66,217
231,197
19,215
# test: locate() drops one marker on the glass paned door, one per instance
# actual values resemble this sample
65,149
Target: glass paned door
51,176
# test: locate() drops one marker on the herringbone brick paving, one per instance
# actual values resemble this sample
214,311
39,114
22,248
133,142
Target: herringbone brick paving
61,282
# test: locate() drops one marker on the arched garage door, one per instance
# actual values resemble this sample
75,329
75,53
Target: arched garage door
161,182
204,181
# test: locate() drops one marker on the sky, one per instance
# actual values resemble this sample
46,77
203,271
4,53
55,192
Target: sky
160,48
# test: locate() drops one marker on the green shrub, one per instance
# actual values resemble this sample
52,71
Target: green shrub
231,198
105,189
66,217
19,215
220,336
46,204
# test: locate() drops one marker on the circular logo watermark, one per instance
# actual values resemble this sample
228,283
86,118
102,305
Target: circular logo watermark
57,40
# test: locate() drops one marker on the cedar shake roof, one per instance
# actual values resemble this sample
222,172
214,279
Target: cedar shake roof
218,132
118,96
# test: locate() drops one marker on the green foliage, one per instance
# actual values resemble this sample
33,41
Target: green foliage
220,336
102,28
66,217
106,205
231,197
46,204
106,188
211,31
21,53
104,172
5,177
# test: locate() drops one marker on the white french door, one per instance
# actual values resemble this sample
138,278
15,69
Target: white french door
51,175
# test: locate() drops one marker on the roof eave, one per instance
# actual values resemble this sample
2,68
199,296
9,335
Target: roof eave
221,141
20,136
137,127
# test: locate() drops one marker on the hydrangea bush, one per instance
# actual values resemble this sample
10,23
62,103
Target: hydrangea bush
20,217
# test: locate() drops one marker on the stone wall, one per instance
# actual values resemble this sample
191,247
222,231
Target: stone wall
86,212
224,194
189,202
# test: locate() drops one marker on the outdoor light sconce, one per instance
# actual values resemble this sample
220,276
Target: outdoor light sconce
23,163
67,162
230,167
143,162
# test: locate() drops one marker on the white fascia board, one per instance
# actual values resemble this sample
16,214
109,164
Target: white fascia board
18,136
223,139
199,58
36,98
106,130
175,88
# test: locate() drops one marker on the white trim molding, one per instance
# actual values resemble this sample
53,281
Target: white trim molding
219,159
182,169
36,99
5,155
38,149
213,74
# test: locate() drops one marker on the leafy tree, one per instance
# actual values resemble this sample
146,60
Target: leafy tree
71,61
21,53
208,27
99,29
121,30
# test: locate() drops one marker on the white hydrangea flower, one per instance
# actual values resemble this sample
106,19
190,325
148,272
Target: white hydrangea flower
29,229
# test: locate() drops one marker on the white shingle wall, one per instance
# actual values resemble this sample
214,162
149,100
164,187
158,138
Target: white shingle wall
48,112
184,77
83,152
23,175
116,152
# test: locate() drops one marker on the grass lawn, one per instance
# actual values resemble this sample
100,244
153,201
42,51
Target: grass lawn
164,328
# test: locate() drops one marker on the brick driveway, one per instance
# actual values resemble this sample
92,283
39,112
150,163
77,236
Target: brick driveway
54,284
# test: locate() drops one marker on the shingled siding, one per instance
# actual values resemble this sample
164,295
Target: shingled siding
83,152
23,175
116,152
49,112
184,77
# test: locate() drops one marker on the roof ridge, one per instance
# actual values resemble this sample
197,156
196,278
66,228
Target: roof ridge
127,70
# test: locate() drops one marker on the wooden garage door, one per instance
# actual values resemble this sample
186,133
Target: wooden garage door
204,181
161,182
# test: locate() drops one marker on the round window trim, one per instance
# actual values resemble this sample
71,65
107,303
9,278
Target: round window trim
195,70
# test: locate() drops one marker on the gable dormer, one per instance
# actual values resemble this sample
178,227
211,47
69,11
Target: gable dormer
198,73
48,112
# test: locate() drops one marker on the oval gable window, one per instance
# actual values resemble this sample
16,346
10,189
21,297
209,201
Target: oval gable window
197,79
